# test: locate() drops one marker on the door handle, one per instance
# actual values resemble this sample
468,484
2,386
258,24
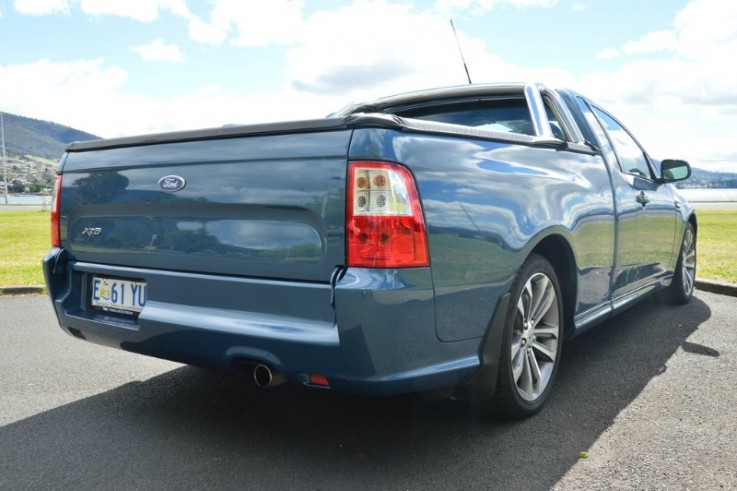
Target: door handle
642,198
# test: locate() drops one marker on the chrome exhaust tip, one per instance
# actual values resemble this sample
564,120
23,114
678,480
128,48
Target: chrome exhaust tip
265,377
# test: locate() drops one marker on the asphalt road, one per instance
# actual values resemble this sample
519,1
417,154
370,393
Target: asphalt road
649,395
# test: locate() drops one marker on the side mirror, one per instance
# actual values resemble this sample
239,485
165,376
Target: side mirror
674,170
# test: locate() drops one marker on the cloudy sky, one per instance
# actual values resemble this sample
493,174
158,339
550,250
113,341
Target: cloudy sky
123,67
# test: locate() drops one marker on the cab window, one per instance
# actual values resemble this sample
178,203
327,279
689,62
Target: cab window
631,157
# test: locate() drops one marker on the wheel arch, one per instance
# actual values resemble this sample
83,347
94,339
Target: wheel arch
692,220
559,253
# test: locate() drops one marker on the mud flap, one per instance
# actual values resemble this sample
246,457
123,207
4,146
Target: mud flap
483,385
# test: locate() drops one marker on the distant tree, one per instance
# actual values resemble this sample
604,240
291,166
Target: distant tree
16,187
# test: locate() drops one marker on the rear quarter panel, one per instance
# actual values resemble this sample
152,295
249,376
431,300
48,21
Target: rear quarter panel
487,205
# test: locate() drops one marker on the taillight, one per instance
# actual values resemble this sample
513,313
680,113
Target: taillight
321,380
384,226
55,221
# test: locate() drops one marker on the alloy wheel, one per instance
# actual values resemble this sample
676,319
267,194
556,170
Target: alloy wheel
535,337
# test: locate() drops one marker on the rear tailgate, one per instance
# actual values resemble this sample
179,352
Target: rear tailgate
265,206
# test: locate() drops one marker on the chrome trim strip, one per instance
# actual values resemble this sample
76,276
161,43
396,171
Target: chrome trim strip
537,111
571,128
592,315
393,121
625,299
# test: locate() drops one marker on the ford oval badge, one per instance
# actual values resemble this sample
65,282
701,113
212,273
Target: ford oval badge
172,184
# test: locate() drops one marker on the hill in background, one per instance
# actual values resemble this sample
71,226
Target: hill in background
33,148
27,136
706,179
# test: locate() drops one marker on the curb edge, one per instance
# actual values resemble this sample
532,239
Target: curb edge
721,287
22,290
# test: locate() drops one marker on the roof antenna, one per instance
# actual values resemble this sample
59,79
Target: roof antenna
460,51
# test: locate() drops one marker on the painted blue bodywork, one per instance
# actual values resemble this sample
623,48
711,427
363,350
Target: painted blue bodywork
246,263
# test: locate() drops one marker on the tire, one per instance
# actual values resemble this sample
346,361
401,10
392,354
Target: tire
531,341
681,288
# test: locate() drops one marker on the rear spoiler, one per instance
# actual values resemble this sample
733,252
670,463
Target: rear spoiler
324,124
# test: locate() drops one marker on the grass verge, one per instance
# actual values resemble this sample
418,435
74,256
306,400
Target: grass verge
716,258
23,243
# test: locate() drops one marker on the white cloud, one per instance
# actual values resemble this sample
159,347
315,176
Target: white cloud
652,42
703,29
158,50
54,91
90,95
707,28
607,54
341,51
41,7
273,22
578,7
140,10
697,71
206,33
523,3
448,7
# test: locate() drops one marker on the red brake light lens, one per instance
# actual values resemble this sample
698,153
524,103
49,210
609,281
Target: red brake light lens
55,219
385,226
316,379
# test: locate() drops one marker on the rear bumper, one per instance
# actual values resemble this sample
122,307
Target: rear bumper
373,333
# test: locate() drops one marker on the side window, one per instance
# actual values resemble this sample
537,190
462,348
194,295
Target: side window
631,157
594,125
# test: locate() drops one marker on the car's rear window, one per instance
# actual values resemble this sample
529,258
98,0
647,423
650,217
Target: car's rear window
506,115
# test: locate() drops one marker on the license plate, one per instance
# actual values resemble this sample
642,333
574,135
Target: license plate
116,295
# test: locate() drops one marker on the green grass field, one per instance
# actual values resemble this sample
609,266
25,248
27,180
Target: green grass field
716,249
24,239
